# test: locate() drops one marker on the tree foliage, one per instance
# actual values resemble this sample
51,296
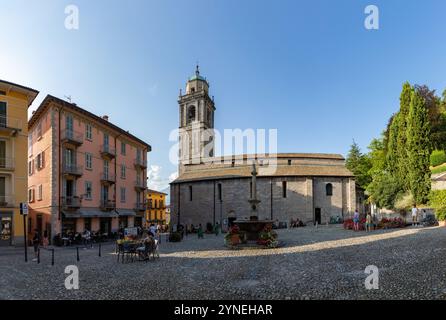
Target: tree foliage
418,148
359,164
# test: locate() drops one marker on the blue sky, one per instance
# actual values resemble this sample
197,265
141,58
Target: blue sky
308,68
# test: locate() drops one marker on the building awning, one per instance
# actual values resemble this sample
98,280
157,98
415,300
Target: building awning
125,212
85,213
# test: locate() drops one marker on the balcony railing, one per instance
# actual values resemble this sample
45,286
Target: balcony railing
140,163
10,124
72,137
140,206
140,186
7,201
108,152
72,202
7,163
108,178
72,169
108,204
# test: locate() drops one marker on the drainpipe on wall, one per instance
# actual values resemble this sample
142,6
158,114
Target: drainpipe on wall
271,185
60,170
214,202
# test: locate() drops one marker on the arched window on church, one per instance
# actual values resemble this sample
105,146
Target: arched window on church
191,114
329,189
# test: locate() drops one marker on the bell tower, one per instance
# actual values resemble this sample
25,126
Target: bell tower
196,109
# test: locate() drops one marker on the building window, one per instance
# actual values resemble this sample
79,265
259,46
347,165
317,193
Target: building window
284,187
161,204
30,144
39,193
39,130
40,161
123,148
122,194
220,198
289,162
30,167
150,204
191,115
89,132
329,189
30,195
88,190
88,161
190,193
122,171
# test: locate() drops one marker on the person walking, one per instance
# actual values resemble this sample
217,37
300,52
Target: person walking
46,241
216,228
356,220
36,243
368,223
414,215
200,232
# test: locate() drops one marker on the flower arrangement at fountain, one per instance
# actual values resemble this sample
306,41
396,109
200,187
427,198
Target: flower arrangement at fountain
268,237
235,236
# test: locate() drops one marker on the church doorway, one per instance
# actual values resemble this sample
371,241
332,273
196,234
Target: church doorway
317,216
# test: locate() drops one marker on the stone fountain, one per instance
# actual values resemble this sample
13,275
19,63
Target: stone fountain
254,225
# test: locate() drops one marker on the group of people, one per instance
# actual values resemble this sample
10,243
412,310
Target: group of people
296,223
198,229
370,222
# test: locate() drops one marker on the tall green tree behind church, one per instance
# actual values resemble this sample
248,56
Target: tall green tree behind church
419,148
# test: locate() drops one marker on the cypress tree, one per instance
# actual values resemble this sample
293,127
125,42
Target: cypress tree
392,145
418,149
401,141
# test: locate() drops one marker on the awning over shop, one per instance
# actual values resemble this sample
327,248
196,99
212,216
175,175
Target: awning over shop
125,212
86,213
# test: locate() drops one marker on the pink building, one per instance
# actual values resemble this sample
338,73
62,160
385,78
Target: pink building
83,171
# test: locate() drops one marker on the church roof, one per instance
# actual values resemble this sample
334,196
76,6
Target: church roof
244,171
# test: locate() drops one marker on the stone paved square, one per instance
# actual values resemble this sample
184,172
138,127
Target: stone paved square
316,263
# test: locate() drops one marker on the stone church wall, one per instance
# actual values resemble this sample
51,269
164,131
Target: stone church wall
303,195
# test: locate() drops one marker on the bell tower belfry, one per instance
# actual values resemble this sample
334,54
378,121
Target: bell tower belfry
196,130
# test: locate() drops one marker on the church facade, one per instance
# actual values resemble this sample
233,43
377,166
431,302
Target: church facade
310,187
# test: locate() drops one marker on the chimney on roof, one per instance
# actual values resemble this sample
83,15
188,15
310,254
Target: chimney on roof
105,118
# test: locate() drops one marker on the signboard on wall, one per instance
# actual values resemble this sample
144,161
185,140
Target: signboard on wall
131,231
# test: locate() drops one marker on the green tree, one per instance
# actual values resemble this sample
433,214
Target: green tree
384,190
359,164
401,139
418,149
392,146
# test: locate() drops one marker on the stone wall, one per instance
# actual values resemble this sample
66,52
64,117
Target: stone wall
303,195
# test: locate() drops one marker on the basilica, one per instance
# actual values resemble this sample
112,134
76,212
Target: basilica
312,187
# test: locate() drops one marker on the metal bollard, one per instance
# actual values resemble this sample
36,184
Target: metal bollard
52,257
38,255
100,249
77,253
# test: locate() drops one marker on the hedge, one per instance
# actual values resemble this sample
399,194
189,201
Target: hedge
437,200
438,157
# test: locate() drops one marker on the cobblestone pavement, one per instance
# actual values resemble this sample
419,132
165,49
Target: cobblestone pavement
323,263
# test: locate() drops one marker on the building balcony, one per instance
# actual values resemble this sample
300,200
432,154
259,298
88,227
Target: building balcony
107,205
140,206
108,152
140,186
10,125
72,170
108,178
7,201
71,203
7,164
72,137
140,164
